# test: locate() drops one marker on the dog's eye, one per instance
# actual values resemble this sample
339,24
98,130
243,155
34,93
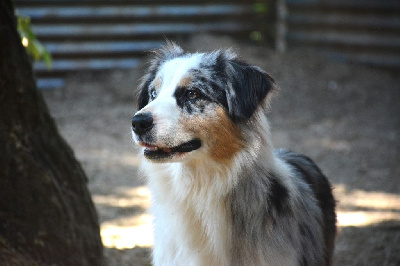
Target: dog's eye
153,94
192,94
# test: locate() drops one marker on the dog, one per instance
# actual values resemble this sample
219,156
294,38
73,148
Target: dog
221,194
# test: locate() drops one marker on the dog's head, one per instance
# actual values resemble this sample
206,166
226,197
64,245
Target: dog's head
192,105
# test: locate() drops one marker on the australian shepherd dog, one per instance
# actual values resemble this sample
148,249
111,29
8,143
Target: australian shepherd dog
221,194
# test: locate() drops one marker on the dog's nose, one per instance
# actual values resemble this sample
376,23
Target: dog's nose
141,123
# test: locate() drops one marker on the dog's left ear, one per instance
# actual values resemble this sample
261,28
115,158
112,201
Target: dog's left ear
248,87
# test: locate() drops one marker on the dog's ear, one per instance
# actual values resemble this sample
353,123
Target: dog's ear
167,52
247,88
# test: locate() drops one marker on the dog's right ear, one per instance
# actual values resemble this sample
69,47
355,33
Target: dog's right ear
167,52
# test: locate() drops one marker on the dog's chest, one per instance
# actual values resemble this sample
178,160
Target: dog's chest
191,224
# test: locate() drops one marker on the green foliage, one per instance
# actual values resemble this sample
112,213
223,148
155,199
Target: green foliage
262,7
34,47
256,36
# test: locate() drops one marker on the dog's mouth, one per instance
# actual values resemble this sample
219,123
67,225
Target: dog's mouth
153,152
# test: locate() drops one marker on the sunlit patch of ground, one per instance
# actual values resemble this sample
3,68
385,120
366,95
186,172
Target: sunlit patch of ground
127,232
362,208
131,230
355,208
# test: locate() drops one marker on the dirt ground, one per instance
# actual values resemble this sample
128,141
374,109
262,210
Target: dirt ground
345,117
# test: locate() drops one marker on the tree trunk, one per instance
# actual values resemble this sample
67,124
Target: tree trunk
47,216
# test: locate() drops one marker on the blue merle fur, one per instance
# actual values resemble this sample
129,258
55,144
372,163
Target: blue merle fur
221,78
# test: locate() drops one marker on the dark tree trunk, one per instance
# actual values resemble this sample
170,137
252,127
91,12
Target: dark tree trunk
47,216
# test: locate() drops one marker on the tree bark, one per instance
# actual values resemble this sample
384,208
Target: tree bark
47,216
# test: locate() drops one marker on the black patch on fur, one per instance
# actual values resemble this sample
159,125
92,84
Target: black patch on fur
219,68
306,231
144,96
260,199
210,83
278,196
250,85
219,74
322,190
303,261
190,105
237,86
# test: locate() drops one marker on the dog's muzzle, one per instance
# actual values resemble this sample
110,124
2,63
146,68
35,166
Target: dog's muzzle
142,123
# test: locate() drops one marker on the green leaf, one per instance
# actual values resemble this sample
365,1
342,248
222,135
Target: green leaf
33,46
256,36
260,7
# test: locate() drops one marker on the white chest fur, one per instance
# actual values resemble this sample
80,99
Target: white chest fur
191,215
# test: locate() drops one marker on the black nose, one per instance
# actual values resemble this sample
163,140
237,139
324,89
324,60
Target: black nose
141,123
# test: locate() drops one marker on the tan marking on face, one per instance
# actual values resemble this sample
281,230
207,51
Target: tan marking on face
227,139
219,132
157,83
186,81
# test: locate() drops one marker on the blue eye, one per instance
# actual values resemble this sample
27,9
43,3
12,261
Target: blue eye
153,94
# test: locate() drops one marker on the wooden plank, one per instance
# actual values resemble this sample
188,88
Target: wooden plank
47,83
65,65
363,31
133,29
362,21
133,12
124,2
108,48
344,38
353,4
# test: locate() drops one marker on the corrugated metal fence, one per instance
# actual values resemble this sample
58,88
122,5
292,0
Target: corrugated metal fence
86,35
362,31
102,35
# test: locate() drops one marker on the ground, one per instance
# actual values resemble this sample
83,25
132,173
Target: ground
345,117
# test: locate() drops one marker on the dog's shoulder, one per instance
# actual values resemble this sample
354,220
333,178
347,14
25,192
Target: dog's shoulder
312,175
307,170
